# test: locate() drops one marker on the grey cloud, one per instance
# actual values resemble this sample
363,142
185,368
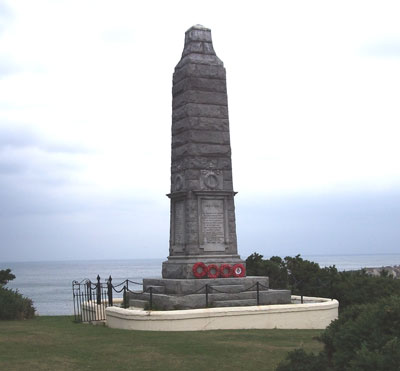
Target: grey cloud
8,167
335,224
33,171
17,136
5,11
118,35
70,148
31,164
7,66
6,15
19,197
383,49
74,226
87,226
23,136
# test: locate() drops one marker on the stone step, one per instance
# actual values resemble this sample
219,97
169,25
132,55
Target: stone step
211,297
225,288
188,286
232,296
165,301
138,303
235,303
215,296
156,289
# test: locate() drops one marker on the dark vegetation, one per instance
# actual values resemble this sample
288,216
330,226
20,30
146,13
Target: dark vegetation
12,304
367,334
307,278
5,276
365,338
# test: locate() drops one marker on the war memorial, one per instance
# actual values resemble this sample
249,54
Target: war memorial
203,244
204,283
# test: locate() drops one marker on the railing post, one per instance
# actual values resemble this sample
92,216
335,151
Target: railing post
73,296
124,298
301,299
151,298
89,290
79,303
109,291
98,290
206,295
258,293
127,284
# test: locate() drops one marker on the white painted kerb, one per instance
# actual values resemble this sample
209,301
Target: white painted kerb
315,313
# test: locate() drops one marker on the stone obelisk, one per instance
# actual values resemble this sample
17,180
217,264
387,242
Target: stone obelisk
203,257
203,227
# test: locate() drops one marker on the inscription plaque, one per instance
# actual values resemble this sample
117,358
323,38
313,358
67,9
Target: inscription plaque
213,224
179,223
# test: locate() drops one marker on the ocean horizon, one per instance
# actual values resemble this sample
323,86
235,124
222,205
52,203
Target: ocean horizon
49,283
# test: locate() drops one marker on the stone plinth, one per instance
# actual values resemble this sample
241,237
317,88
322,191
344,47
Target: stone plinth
187,286
169,294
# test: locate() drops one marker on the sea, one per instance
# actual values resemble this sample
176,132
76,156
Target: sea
49,284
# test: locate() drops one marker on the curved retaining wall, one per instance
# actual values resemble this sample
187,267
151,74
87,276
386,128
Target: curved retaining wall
315,313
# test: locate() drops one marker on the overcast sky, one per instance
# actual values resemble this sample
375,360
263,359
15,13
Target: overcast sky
85,124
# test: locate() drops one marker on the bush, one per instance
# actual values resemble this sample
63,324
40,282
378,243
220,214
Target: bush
15,306
299,360
5,276
365,337
274,268
358,287
12,304
305,277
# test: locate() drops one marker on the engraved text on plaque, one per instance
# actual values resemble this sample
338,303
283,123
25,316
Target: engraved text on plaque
213,221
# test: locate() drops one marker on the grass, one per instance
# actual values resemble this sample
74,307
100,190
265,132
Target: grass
57,343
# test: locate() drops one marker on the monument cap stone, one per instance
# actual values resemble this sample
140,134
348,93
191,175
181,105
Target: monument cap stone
198,47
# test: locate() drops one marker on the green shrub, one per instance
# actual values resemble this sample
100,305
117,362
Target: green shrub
358,287
274,268
365,337
5,276
12,304
15,306
299,360
304,277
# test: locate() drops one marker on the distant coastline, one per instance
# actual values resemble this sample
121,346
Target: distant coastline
393,271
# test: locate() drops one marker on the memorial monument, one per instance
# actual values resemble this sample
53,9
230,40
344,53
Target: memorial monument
203,245
203,224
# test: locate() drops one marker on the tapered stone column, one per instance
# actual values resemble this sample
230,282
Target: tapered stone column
203,228
203,224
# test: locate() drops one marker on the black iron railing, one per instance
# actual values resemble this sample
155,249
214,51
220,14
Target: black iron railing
92,298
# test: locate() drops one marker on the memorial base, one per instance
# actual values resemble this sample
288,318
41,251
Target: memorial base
169,294
315,313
